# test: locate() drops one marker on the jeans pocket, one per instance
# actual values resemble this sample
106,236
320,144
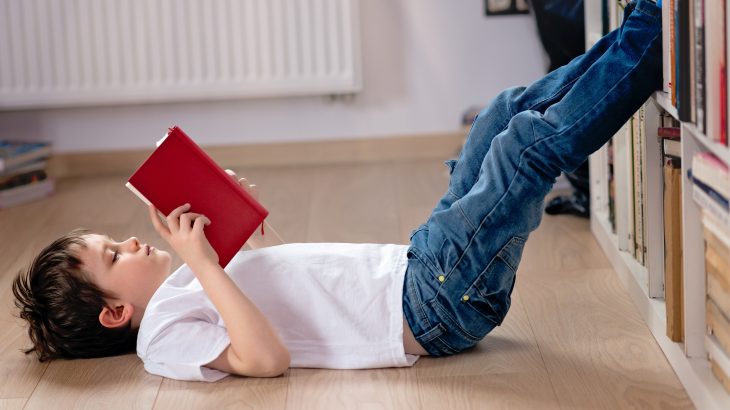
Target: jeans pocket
490,294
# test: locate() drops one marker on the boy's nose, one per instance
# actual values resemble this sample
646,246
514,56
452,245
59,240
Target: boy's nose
133,242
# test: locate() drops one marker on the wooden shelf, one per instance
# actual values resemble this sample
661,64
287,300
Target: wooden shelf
720,150
664,101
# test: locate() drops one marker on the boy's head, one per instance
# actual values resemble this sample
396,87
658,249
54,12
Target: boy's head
84,294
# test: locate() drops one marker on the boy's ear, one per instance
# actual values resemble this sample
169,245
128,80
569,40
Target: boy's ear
117,316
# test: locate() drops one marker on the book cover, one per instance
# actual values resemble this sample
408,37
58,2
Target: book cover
178,171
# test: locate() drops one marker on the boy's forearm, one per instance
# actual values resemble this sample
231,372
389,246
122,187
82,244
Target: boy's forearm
269,238
252,335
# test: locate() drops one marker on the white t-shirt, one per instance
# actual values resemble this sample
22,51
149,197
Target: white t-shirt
335,305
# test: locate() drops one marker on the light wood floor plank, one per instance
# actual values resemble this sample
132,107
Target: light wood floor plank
110,382
231,392
597,349
393,388
505,370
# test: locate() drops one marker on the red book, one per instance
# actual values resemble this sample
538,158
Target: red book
180,172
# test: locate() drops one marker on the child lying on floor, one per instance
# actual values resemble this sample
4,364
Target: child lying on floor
347,306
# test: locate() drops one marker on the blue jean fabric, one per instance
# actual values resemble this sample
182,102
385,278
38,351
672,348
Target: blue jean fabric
462,261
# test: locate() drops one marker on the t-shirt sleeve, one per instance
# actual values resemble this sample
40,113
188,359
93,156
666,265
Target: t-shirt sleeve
181,349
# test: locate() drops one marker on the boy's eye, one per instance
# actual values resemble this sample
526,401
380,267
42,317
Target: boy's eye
115,257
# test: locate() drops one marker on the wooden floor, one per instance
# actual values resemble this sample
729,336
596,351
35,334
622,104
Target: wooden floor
572,340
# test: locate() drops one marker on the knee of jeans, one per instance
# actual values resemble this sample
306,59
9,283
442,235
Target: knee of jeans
508,99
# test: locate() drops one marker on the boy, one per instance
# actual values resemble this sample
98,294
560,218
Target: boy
348,305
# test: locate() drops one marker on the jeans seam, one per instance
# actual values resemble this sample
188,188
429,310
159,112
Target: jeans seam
419,305
570,83
463,214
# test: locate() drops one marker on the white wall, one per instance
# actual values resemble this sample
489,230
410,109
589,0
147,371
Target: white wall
424,62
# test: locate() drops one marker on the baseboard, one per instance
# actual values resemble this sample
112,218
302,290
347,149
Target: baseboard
275,154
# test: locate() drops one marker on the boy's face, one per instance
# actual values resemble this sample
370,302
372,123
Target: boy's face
130,270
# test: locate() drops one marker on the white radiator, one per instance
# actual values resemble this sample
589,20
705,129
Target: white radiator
87,52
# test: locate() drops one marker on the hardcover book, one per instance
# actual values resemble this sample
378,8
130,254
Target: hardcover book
180,172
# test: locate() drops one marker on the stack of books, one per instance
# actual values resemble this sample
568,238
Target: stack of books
695,64
711,190
23,175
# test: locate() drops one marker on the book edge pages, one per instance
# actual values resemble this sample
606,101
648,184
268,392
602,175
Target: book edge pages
139,194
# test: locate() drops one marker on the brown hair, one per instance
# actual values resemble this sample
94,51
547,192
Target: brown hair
62,306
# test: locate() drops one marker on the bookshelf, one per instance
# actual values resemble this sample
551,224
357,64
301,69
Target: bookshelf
644,283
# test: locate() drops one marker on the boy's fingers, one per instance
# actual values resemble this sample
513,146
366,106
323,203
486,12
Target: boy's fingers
156,223
187,219
200,223
172,219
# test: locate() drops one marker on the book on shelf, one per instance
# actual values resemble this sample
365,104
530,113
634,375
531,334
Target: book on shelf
611,186
14,154
710,201
682,65
714,173
718,325
624,182
673,279
670,8
639,186
666,39
668,132
715,71
178,171
699,67
672,148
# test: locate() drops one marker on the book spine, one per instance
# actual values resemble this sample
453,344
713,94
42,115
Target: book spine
684,82
139,194
666,44
699,15
673,50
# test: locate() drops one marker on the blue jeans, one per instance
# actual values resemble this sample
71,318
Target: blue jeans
462,261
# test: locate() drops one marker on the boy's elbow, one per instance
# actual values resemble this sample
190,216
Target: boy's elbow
272,366
276,367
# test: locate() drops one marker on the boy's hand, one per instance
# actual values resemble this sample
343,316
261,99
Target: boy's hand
252,189
184,232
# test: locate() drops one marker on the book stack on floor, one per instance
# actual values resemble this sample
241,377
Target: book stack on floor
669,135
23,175
711,190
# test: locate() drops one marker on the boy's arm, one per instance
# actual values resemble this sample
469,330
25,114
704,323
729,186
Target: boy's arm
256,349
